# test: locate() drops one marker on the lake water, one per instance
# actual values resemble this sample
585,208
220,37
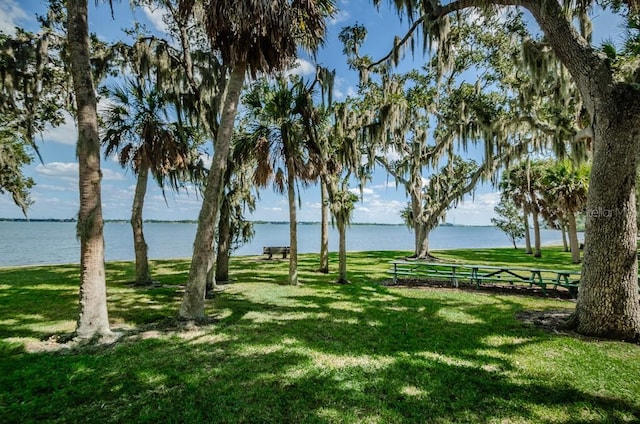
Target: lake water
31,243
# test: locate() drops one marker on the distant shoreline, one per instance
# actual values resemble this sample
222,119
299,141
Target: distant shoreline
190,221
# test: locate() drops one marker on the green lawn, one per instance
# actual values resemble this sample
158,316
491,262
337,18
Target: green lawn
318,353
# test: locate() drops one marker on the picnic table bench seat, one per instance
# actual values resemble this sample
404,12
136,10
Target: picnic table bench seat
478,274
276,250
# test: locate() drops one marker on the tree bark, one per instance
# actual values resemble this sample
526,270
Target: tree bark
192,306
608,301
143,275
342,251
324,228
93,318
565,243
573,238
293,222
527,231
537,252
224,243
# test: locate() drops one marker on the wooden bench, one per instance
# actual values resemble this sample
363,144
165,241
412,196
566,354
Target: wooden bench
478,274
276,250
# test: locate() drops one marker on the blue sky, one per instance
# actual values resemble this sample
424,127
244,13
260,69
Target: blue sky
56,194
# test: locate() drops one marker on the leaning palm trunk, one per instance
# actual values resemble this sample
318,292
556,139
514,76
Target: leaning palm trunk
143,276
293,224
192,306
324,227
93,318
573,238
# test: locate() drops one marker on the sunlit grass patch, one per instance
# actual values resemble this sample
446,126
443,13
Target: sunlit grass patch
319,352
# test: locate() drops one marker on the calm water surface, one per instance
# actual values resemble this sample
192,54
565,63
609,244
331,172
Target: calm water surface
30,243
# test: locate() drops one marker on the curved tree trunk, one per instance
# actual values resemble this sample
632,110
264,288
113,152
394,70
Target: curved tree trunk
342,251
527,231
537,253
192,306
224,243
573,238
143,275
293,223
93,318
324,227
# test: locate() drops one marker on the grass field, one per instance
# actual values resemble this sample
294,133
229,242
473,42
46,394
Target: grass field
318,353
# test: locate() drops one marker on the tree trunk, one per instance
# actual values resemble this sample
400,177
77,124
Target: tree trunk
143,275
324,227
608,302
93,318
342,251
211,274
537,253
527,232
563,229
192,306
422,241
224,243
293,222
573,238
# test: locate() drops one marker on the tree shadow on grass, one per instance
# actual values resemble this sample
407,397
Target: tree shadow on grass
344,356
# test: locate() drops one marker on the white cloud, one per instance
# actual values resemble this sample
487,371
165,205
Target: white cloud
339,90
10,14
155,16
302,68
341,16
67,133
68,171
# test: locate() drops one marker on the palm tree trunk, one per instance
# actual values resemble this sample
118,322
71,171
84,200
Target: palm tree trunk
293,223
324,227
342,250
93,318
224,243
143,275
537,253
563,229
192,306
573,238
211,274
527,232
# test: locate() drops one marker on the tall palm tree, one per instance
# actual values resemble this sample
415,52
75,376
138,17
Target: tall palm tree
93,318
567,185
139,129
250,36
276,138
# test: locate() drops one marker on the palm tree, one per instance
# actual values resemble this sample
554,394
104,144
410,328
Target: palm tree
250,36
566,186
521,184
139,130
276,139
93,318
341,204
